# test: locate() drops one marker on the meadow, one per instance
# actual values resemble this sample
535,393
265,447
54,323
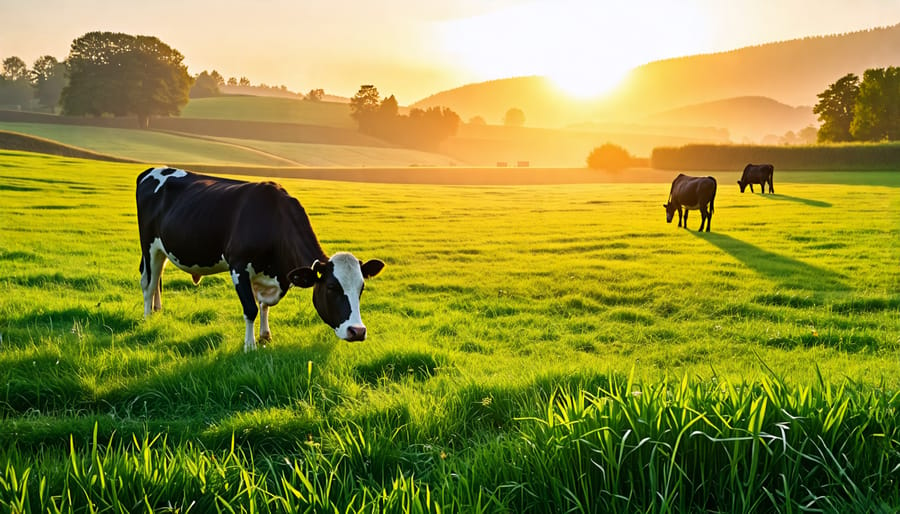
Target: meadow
551,348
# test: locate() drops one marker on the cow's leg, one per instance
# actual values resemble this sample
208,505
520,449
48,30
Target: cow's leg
686,212
751,188
679,216
244,289
771,186
152,265
265,335
705,218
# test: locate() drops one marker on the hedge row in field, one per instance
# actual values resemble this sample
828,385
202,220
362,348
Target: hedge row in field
842,157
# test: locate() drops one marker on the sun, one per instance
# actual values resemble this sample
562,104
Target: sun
585,47
586,84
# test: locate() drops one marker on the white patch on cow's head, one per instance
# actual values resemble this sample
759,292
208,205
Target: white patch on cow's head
157,173
348,273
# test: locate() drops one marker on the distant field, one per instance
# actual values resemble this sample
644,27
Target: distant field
532,349
157,147
260,108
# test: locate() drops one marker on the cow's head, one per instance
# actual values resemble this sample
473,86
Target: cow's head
337,287
742,184
670,211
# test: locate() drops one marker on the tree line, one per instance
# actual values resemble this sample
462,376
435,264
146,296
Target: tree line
866,110
381,118
114,74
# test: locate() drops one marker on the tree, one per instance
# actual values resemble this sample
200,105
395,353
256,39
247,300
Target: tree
14,68
808,135
205,86
220,80
315,95
15,88
364,107
514,117
48,76
122,75
232,81
477,120
244,81
609,157
876,113
835,108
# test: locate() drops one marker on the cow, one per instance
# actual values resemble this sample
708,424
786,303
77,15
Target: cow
255,231
757,174
692,193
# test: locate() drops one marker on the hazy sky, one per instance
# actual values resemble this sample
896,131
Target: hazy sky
413,48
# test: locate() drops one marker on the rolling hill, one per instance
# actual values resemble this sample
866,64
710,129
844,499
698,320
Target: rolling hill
751,117
788,72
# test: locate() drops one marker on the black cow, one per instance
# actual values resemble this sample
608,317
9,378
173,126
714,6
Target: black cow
757,174
692,193
255,231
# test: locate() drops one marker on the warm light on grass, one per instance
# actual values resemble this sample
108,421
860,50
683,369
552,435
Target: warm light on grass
531,349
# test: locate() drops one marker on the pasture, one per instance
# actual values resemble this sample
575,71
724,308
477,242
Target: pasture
531,349
183,149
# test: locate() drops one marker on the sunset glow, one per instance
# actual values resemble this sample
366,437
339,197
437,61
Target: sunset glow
585,47
414,49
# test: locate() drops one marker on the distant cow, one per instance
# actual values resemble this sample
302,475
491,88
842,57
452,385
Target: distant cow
255,231
757,174
692,193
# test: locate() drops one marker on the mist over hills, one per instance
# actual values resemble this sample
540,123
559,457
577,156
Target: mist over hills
789,73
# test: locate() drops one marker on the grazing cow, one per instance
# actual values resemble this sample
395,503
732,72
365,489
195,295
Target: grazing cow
757,174
255,231
692,193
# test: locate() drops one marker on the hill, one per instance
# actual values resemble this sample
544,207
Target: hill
789,72
271,109
751,117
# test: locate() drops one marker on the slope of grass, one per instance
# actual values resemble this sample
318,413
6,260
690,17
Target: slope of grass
531,349
260,108
143,145
157,147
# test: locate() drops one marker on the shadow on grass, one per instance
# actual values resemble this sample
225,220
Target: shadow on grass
788,272
805,201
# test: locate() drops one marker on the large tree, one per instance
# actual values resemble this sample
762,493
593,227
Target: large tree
835,109
876,115
48,77
124,75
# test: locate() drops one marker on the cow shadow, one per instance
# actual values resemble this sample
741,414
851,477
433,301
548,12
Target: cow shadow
805,201
789,273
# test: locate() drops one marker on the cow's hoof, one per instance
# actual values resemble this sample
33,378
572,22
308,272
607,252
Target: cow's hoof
265,339
250,347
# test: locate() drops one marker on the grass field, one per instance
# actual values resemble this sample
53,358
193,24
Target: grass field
165,148
531,349
261,108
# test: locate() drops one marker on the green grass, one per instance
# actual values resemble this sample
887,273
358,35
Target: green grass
156,147
531,349
260,108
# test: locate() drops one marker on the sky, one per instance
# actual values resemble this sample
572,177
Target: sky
415,48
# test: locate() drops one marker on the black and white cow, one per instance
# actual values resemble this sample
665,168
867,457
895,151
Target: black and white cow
758,174
255,231
692,193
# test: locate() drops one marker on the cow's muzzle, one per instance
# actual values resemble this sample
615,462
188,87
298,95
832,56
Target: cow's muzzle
356,333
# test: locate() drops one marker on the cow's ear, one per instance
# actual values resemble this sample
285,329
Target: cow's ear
303,277
371,268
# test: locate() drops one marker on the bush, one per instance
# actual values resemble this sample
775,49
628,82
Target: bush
609,157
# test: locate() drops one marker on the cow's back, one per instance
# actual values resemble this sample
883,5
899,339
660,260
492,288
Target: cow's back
200,219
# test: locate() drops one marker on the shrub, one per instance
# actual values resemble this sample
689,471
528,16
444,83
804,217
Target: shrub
609,157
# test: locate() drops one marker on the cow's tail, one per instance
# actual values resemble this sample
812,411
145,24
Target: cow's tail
712,201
